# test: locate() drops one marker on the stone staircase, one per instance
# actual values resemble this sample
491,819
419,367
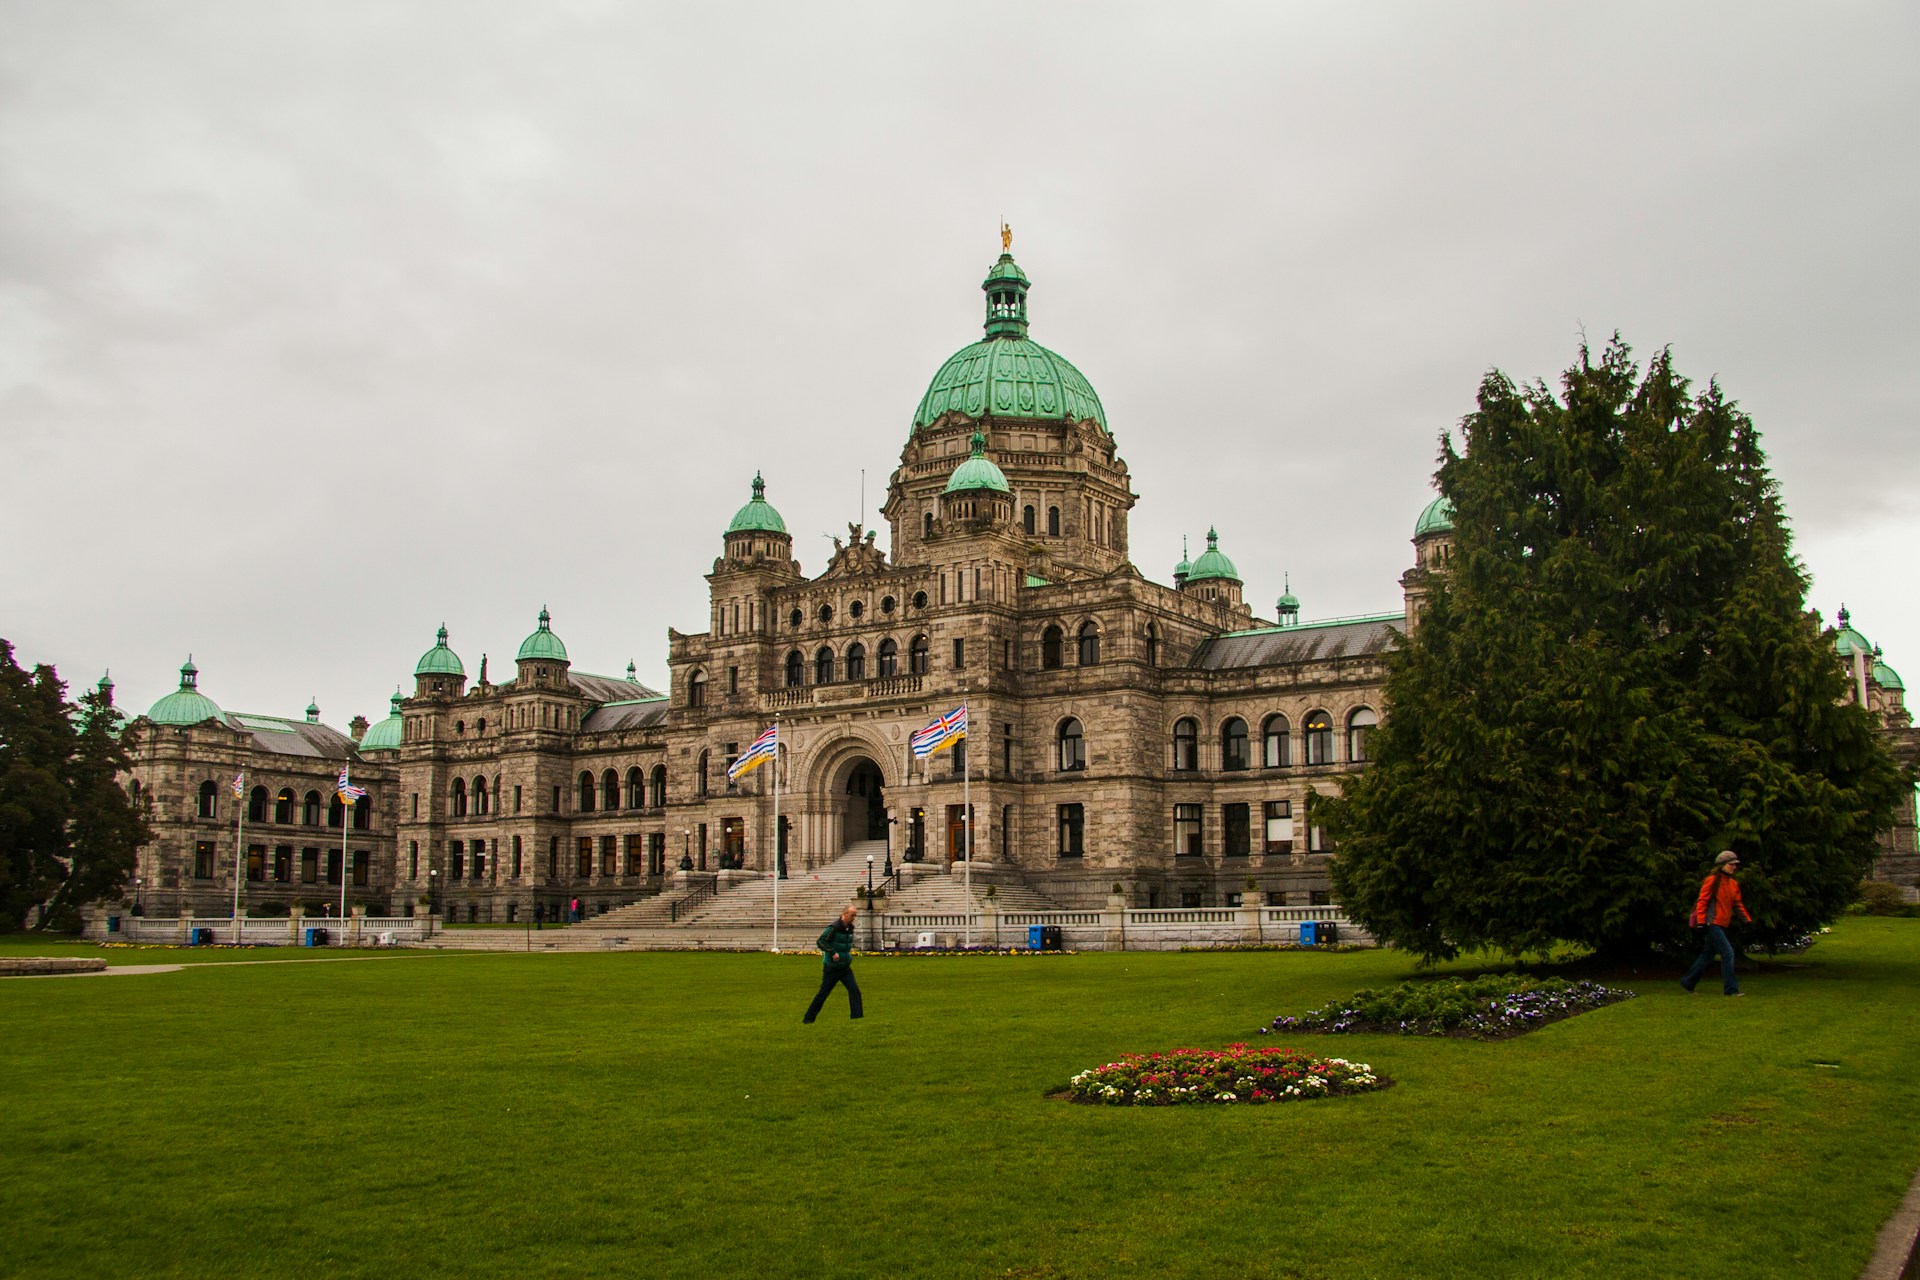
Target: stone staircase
946,894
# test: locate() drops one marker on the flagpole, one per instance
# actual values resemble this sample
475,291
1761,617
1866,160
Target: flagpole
239,853
346,821
776,834
966,811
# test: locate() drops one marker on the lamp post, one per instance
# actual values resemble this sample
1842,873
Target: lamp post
686,848
887,872
138,910
869,881
873,921
433,890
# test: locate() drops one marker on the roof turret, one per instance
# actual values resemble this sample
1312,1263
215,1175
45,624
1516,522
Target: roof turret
1847,641
385,736
313,711
758,516
1213,562
1435,517
542,645
440,660
186,705
1289,606
978,471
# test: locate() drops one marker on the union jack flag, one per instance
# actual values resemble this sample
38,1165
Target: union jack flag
941,734
348,792
761,750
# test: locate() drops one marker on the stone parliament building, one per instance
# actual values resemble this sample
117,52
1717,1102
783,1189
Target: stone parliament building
1123,732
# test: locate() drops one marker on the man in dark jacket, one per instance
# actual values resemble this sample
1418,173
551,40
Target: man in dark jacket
836,941
1719,899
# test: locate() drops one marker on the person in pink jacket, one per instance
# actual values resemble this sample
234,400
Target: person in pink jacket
1719,899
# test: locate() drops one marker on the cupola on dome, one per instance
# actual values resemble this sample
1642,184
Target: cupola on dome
1435,517
1213,562
386,735
440,660
186,705
542,645
758,516
978,471
1847,641
1007,374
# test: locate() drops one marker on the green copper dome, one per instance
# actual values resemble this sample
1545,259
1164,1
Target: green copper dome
1007,374
978,471
440,660
542,645
1212,563
1886,677
1185,567
1289,602
1847,641
1437,517
186,705
386,735
758,516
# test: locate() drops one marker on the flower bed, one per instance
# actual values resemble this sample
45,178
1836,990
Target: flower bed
1236,1074
1481,1009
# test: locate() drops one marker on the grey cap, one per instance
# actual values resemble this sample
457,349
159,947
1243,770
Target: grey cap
1726,856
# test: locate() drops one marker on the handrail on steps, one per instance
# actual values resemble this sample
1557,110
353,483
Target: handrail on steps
692,900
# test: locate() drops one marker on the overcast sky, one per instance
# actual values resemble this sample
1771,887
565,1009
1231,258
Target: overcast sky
321,324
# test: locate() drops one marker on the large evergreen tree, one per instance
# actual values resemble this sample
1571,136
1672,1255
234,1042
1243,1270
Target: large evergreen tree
1614,678
68,832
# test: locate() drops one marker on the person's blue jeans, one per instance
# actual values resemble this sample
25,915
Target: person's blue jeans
1717,945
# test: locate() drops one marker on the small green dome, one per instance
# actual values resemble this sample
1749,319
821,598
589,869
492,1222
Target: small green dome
386,735
440,660
978,471
542,645
1847,641
1886,677
1006,373
186,705
1185,567
1212,562
758,516
1289,602
1436,517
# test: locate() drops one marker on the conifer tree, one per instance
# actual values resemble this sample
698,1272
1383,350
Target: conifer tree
106,829
1614,678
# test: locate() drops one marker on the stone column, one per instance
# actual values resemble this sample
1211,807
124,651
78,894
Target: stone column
1252,927
1114,918
294,921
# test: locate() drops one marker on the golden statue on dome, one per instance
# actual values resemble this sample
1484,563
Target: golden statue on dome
1006,237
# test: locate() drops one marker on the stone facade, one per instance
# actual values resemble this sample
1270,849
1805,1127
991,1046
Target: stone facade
1123,732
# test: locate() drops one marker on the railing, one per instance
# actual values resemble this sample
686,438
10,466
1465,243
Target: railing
684,906
894,686
798,695
1185,915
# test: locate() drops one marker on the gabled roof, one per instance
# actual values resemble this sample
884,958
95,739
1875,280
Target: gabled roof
286,737
1308,642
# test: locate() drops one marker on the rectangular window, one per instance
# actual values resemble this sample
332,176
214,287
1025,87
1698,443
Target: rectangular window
416,804
1006,655
701,835
1319,898
516,798
1073,820
1189,897
943,588
609,855
733,679
583,858
958,753
1186,830
633,856
516,857
1317,841
1276,897
479,860
413,860
556,800
1006,750
333,866
1235,899
733,842
203,856
456,861
1234,830
256,863
657,853
959,654
362,867
309,866
553,857
283,864
1279,834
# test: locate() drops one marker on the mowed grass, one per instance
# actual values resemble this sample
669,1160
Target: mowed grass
667,1114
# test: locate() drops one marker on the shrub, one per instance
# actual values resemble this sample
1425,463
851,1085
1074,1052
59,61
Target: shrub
1236,1074
1481,1008
1878,898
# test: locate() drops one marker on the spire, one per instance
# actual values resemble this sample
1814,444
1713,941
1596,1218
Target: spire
106,684
1289,609
313,711
633,675
1844,620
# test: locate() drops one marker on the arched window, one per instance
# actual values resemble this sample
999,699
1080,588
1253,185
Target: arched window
926,525
917,656
636,789
1027,521
209,799
1233,743
1053,522
481,797
1073,746
856,662
700,783
586,793
609,791
363,813
310,809
823,666
889,658
1360,727
283,805
1276,743
257,805
459,797
659,786
1319,730
1186,745
697,689
1153,645
796,669
1089,645
1050,649
336,811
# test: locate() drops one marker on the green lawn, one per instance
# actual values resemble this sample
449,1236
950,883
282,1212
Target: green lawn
665,1114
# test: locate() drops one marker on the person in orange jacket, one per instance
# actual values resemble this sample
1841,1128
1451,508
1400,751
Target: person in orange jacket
1719,899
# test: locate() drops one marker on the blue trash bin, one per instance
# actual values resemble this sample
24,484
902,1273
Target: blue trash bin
113,924
200,937
1309,933
316,937
1036,937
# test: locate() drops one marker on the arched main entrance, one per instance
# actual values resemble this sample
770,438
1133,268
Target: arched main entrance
866,808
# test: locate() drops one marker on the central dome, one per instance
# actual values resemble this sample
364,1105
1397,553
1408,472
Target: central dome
1007,374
